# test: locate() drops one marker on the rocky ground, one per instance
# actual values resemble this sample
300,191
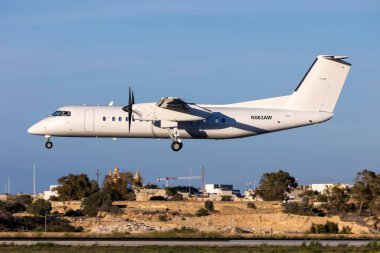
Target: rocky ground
142,221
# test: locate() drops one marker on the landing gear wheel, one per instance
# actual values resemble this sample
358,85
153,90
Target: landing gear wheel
48,144
176,146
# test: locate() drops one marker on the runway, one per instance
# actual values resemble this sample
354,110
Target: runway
178,242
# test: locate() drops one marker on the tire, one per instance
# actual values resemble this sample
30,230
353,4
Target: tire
48,145
176,146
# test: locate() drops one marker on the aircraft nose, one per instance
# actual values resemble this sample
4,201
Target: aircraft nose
36,129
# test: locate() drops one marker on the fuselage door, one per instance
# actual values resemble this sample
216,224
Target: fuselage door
89,120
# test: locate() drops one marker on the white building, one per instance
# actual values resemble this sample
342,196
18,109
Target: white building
52,192
218,190
322,188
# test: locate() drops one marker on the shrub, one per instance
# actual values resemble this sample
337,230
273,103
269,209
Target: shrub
37,223
327,228
209,205
177,197
39,207
251,205
72,213
11,207
162,217
346,230
302,209
226,198
157,198
202,212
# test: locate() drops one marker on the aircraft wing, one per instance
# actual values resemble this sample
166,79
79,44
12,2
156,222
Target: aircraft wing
171,109
176,109
173,103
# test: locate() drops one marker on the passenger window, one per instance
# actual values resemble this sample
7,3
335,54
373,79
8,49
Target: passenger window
104,118
120,119
113,118
216,120
126,118
204,121
223,120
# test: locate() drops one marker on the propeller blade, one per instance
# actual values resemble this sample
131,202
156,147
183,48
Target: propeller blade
129,97
129,120
128,108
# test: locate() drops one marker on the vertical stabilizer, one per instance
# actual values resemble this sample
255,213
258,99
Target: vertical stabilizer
320,88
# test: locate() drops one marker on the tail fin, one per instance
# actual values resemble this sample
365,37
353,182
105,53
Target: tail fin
320,88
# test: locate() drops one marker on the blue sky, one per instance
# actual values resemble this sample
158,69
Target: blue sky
56,53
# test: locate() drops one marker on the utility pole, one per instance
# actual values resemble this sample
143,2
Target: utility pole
203,182
9,185
190,182
45,220
98,174
34,179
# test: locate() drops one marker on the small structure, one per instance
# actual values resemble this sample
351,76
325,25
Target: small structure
142,194
217,191
115,175
138,179
51,192
322,188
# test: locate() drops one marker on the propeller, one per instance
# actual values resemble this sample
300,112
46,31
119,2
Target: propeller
128,108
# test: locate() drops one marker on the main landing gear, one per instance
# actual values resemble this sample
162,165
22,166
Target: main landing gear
48,143
177,142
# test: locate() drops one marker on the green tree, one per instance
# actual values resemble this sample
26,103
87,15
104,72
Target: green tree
366,190
76,187
337,200
39,207
98,201
274,185
120,187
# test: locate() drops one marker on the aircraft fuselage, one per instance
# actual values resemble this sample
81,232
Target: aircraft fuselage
224,123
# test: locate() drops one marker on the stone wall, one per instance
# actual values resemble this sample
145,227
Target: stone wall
146,194
64,206
227,207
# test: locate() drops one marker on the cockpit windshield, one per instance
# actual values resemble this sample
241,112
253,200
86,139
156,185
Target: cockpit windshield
61,113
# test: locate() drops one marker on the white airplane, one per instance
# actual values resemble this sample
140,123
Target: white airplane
312,102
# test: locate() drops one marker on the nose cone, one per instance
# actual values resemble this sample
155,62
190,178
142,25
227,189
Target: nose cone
36,129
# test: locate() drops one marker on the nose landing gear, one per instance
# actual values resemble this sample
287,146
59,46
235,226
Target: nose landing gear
176,146
48,143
